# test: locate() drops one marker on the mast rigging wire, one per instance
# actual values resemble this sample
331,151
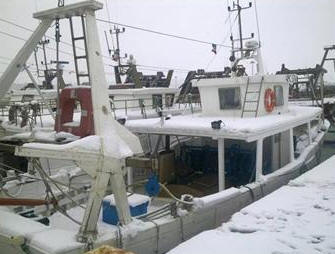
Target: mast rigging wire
110,25
71,54
257,22
219,48
161,33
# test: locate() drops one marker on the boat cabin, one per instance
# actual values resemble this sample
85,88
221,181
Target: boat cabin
247,96
246,130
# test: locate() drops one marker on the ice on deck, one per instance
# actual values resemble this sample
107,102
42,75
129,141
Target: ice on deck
297,218
232,127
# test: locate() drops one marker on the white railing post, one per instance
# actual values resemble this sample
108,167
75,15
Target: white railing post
291,145
221,167
259,159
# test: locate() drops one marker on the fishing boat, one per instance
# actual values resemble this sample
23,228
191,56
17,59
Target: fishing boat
135,95
308,88
245,143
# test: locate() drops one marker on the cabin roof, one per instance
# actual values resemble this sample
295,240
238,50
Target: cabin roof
143,91
243,80
249,129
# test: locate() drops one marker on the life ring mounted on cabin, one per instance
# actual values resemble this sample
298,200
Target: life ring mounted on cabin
269,100
65,121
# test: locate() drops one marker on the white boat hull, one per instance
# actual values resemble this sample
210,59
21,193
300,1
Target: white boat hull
163,234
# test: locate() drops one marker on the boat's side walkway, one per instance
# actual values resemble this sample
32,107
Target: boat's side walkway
297,218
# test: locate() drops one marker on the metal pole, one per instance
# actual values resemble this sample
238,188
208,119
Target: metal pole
322,87
221,165
291,145
118,46
45,55
259,159
240,23
57,35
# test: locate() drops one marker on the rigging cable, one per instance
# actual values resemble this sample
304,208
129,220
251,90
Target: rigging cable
69,44
161,33
110,24
256,14
219,48
31,30
71,54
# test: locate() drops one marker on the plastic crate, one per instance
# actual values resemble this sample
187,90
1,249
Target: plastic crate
138,205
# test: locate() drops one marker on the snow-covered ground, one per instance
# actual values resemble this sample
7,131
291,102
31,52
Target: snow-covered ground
297,218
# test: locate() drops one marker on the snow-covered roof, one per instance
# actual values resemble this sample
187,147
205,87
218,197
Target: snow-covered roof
297,218
248,129
243,80
143,91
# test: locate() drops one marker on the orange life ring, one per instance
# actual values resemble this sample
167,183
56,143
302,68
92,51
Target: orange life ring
269,100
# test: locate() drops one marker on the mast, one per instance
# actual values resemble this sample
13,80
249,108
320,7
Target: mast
239,23
117,56
238,8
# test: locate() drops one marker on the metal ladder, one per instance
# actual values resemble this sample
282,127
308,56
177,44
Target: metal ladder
248,91
76,56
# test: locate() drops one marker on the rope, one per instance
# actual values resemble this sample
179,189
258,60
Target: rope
173,196
33,177
42,172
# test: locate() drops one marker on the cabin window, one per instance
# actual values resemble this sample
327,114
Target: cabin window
169,100
157,101
315,128
300,139
279,95
230,98
27,98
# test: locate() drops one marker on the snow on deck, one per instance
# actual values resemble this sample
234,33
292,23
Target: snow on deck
232,127
297,218
309,102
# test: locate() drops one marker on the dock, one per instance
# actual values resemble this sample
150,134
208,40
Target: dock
297,218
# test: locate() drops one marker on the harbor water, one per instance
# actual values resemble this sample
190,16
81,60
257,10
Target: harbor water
328,148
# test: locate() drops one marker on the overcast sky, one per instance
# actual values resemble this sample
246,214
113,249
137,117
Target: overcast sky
293,32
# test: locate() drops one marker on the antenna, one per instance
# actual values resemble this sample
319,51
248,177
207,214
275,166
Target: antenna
237,7
117,31
43,43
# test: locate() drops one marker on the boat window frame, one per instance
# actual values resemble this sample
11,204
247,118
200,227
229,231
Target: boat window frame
157,101
169,99
224,106
278,102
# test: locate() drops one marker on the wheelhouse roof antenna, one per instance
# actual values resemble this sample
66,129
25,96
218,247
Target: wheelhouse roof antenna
237,7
